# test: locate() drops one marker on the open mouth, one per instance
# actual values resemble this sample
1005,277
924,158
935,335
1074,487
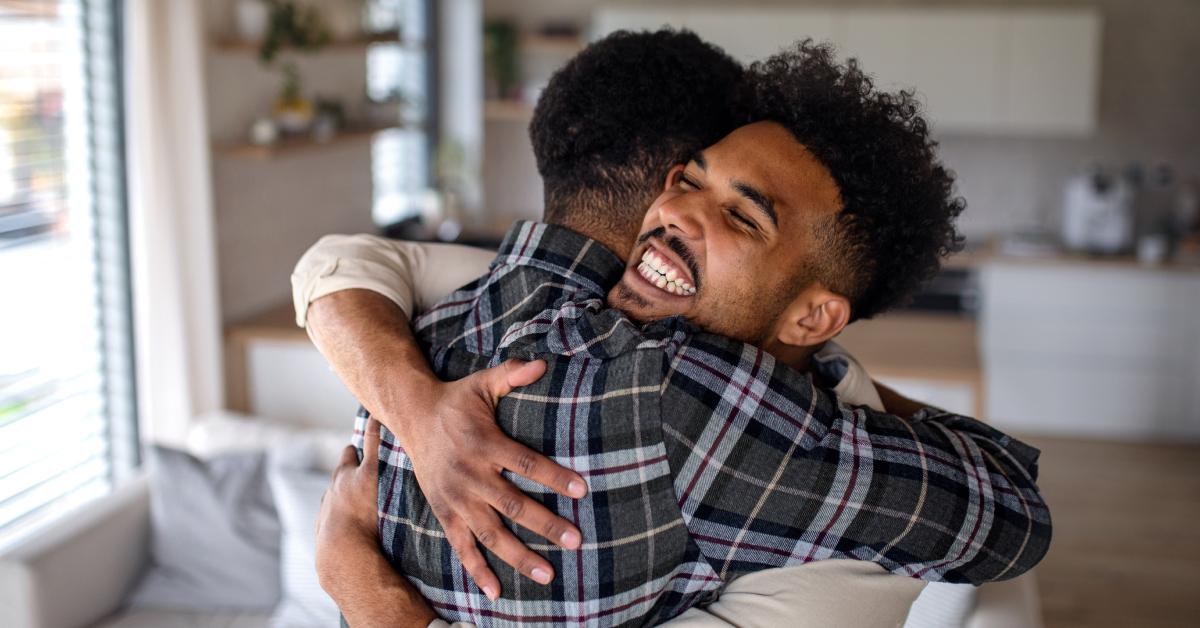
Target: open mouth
665,274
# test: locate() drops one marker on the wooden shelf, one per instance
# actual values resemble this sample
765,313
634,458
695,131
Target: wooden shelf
551,44
239,46
507,111
292,145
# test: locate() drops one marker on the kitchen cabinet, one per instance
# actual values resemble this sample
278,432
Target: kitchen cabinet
954,59
1053,72
995,71
1094,348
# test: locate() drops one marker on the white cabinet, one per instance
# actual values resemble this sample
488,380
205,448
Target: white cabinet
272,370
952,58
979,70
748,35
1103,349
1053,71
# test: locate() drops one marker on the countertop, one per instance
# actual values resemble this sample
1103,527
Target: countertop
992,253
916,345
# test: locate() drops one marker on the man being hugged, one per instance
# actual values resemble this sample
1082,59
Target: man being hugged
689,407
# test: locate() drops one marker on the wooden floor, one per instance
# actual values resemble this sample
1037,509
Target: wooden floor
1126,545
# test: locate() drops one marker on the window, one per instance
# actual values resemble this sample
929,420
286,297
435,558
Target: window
400,77
67,418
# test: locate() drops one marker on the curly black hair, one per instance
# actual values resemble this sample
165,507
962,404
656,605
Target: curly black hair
898,204
613,121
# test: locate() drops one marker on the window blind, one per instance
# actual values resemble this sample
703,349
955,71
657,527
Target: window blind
67,413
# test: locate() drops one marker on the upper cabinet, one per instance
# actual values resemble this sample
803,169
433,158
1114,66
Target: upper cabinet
990,71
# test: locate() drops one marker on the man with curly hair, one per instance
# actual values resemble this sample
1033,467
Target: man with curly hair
709,458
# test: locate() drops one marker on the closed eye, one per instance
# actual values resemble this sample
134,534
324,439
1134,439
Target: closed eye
737,215
686,182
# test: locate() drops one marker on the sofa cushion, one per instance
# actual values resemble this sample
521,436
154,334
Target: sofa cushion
215,534
298,489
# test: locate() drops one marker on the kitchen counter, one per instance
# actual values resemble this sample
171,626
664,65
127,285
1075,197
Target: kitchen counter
991,253
930,350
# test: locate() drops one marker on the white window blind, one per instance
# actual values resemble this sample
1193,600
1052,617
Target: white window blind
67,420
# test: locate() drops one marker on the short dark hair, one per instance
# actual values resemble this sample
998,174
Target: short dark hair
612,122
898,205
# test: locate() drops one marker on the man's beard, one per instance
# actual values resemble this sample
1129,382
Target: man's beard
629,297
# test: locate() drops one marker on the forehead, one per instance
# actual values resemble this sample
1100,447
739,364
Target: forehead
767,157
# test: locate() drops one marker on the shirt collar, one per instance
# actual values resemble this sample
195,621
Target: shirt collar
565,253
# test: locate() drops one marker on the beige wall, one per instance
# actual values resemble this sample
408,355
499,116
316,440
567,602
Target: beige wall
269,211
1149,110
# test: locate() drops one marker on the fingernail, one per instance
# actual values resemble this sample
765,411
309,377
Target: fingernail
569,539
576,488
541,575
490,593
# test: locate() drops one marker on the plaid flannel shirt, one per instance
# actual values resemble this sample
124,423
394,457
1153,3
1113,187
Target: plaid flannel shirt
705,458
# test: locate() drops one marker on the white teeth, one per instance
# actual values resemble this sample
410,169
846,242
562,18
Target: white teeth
663,274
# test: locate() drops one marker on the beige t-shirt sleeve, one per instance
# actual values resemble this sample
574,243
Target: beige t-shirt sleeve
413,275
856,387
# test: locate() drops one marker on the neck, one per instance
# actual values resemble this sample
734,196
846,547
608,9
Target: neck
620,243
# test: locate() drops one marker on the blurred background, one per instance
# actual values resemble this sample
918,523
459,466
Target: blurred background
163,165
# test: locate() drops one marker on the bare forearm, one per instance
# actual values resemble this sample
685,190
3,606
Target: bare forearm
367,340
370,593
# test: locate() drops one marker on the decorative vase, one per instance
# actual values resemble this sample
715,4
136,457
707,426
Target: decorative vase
253,19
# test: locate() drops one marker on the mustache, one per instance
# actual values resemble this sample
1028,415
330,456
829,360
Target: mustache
678,247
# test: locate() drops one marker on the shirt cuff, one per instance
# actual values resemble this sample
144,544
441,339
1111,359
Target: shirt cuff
340,274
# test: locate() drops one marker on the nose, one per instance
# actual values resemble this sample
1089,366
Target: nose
683,215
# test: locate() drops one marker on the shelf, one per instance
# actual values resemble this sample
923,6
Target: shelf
291,145
551,44
507,111
239,46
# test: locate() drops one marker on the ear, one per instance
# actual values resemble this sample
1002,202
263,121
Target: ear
813,317
672,175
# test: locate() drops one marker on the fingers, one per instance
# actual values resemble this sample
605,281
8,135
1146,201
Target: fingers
518,373
534,466
500,380
463,541
371,440
507,547
531,515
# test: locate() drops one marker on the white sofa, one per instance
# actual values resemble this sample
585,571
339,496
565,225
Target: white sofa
80,570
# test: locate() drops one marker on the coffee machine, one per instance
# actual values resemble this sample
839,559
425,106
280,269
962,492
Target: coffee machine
1098,213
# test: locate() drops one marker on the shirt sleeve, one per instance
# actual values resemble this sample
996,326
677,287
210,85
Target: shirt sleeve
854,386
412,275
770,470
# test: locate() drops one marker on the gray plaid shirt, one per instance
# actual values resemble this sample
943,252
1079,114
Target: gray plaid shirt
705,458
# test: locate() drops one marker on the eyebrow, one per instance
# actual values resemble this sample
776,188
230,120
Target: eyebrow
698,157
762,201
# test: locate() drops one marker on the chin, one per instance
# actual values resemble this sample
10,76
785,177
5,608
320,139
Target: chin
635,306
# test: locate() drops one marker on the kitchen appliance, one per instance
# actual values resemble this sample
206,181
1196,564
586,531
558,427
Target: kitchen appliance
1098,213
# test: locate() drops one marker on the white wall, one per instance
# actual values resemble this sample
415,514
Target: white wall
1149,97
